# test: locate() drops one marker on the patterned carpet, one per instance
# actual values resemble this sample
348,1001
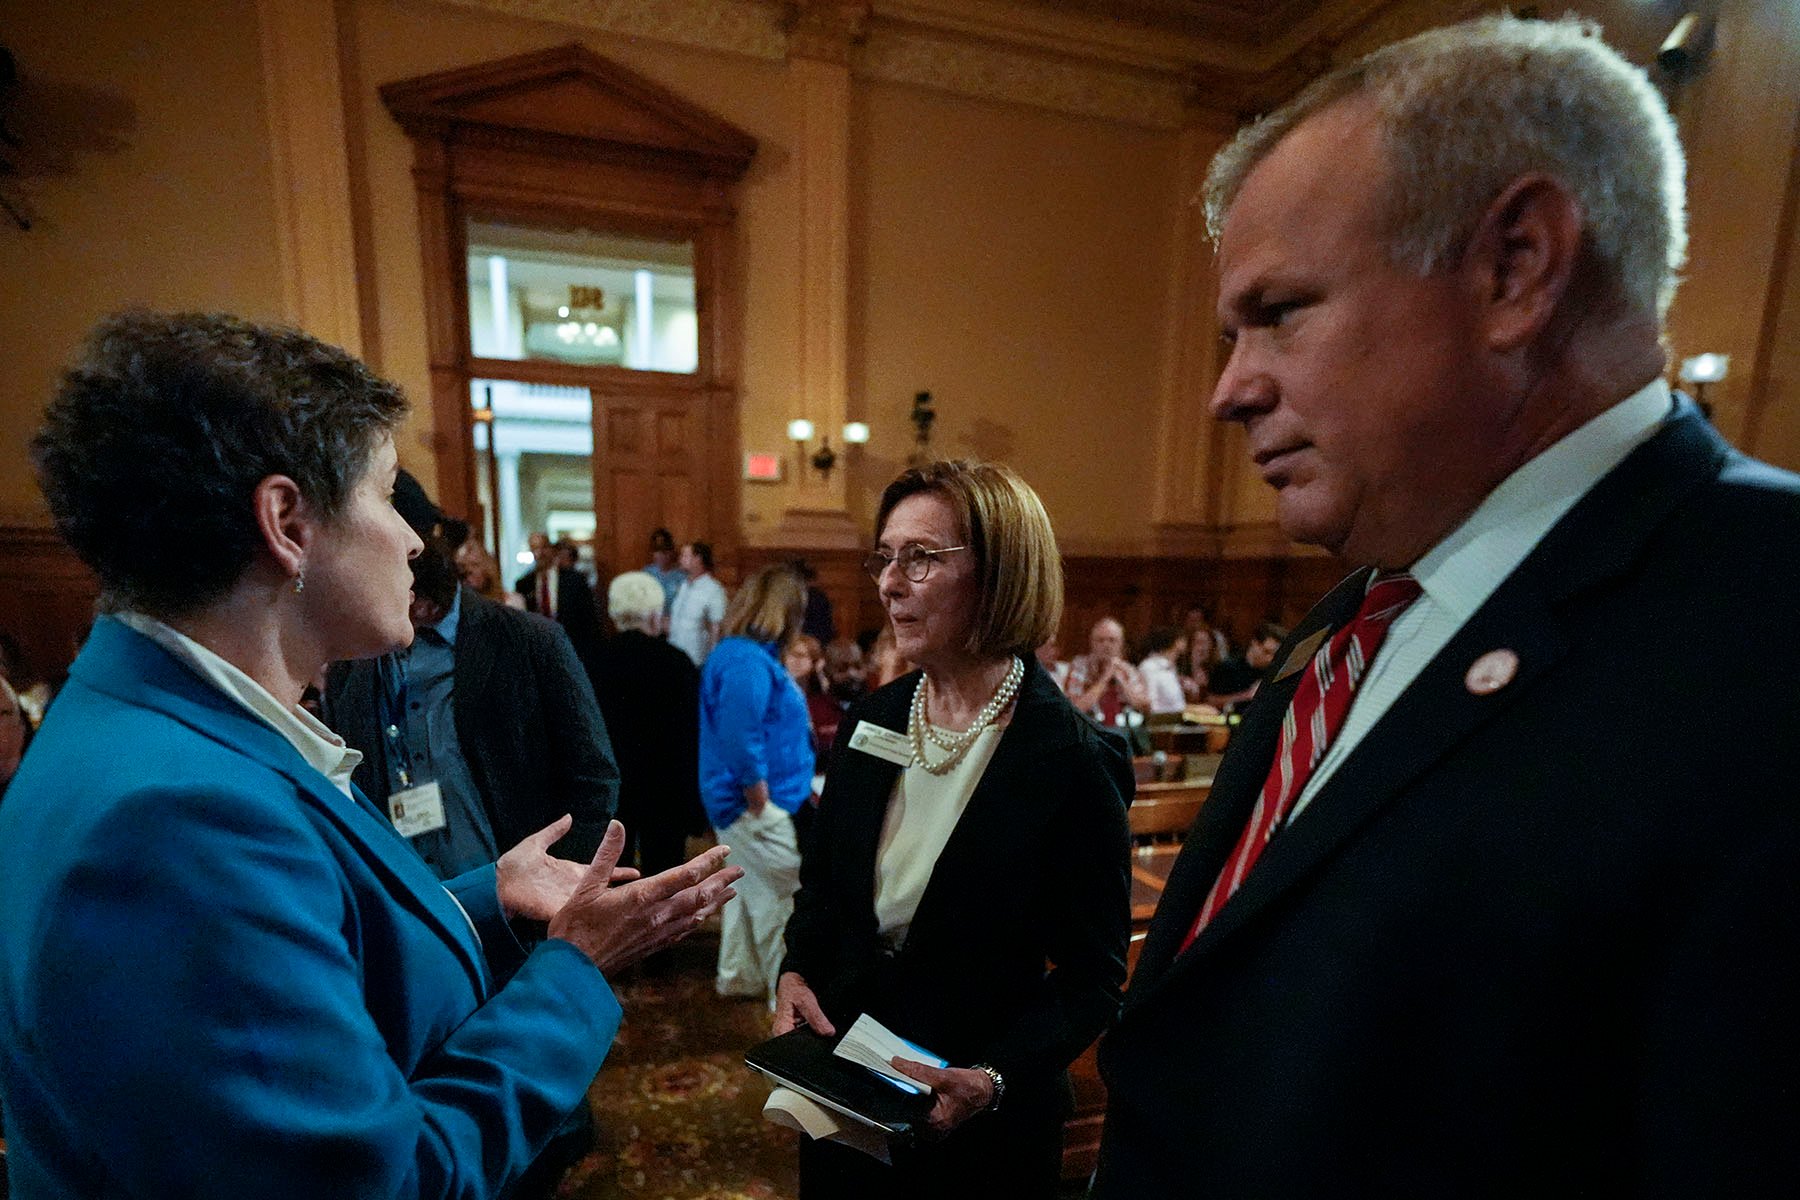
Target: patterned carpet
679,1114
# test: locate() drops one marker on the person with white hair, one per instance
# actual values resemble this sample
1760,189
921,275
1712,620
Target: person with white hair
1481,904
649,693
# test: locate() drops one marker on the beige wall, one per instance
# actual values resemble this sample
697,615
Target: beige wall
1013,263
391,40
147,180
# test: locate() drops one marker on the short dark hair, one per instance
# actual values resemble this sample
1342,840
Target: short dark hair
703,552
434,572
159,434
661,539
1162,638
1268,630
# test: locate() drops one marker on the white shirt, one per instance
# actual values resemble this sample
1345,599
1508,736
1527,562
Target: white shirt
701,600
921,816
1163,684
323,750
1460,573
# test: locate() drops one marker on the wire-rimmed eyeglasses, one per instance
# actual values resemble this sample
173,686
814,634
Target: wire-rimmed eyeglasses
915,561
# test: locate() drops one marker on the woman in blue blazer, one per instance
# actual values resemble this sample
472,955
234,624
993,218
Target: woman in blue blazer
222,971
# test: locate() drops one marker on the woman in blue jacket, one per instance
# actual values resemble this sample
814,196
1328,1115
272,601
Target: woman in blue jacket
223,972
756,771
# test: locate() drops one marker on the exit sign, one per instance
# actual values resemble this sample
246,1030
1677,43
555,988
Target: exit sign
762,467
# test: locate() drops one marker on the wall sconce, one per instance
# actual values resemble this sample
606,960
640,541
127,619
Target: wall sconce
922,416
1687,45
824,459
1701,370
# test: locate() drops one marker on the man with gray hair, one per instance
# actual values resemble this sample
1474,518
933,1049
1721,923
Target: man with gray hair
1482,904
649,694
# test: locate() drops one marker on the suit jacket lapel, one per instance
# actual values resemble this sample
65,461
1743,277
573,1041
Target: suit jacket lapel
129,666
868,783
1236,785
1595,541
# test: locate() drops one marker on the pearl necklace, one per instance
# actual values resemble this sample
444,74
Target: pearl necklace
958,745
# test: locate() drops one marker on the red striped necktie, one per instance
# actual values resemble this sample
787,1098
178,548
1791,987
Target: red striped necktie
1313,718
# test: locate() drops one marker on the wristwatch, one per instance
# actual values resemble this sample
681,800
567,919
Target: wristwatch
999,1082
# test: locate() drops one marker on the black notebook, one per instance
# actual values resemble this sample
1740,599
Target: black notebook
803,1060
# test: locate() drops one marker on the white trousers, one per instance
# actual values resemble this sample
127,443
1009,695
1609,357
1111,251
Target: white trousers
750,942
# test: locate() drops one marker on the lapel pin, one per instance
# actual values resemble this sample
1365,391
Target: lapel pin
1491,672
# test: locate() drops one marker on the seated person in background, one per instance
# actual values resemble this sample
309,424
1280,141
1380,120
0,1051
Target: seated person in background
1234,680
1101,683
1049,656
885,663
649,694
804,660
846,682
477,569
1162,685
15,734
1205,647
498,732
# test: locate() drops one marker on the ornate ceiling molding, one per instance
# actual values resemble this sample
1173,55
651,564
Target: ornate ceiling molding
1012,51
749,27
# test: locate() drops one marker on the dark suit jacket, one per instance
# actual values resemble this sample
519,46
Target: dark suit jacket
1038,868
575,610
649,693
1535,943
525,718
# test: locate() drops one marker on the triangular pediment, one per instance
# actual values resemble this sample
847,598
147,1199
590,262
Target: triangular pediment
569,92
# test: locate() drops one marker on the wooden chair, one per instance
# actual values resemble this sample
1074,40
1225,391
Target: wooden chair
1146,769
1165,810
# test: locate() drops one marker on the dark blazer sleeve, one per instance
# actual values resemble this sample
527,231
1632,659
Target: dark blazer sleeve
1090,926
812,931
583,777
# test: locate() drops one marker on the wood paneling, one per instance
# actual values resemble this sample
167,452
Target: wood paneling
46,598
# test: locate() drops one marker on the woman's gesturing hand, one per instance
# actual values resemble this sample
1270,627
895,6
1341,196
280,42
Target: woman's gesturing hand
958,1093
617,924
795,1005
534,883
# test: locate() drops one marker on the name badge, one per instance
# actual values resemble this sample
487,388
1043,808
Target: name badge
882,743
417,809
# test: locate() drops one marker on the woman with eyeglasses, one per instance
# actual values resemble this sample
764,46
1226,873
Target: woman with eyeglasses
967,882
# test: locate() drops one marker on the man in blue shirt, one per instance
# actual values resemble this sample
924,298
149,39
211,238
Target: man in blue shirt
482,732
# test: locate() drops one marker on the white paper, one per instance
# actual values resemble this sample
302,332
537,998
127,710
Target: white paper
871,1044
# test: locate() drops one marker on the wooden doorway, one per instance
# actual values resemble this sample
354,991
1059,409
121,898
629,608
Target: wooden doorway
564,200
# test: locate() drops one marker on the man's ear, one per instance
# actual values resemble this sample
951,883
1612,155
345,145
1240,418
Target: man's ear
285,522
1523,253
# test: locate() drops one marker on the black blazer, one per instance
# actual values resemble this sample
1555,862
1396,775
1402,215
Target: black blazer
575,610
1037,869
525,718
649,693
1535,943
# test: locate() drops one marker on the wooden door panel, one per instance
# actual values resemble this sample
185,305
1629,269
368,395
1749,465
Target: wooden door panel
650,466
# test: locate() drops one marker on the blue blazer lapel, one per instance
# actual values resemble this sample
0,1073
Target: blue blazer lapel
1598,539
122,663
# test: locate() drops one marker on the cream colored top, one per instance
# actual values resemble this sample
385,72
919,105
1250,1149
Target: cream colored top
921,815
323,750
